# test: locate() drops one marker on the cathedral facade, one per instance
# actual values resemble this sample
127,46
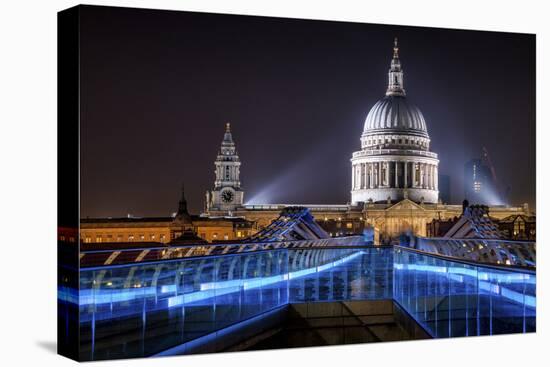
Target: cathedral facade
394,177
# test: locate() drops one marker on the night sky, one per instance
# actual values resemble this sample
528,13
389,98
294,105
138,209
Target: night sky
157,88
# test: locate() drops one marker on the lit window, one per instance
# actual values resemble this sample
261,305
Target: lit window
119,238
215,235
239,234
98,239
88,239
131,238
226,236
152,237
477,186
349,225
141,237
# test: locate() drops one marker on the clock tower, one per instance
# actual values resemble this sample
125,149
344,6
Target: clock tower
227,195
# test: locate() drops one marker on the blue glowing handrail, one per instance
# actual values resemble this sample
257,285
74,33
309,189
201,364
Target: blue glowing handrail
511,268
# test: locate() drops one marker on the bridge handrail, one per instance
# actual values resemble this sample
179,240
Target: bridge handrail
153,254
510,252
218,244
512,242
512,268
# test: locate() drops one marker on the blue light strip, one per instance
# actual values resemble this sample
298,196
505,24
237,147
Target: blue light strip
207,290
484,279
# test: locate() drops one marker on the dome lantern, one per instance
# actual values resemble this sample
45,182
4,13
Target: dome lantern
395,74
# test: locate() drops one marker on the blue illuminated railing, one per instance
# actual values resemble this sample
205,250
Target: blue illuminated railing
137,310
450,298
141,309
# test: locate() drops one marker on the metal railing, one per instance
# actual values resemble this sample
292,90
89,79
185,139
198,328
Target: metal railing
488,251
93,258
450,297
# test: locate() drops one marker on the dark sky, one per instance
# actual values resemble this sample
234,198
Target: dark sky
159,86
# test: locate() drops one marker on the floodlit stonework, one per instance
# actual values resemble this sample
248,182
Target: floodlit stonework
394,180
394,162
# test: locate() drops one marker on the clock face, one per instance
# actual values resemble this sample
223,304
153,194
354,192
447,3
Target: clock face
227,196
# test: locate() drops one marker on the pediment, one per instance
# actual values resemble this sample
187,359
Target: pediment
405,204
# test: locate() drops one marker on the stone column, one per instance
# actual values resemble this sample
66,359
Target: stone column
387,174
436,178
380,174
353,172
396,181
359,177
428,176
364,174
369,169
425,175
405,174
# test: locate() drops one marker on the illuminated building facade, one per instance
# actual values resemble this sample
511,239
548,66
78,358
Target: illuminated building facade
479,186
394,181
519,227
395,161
127,232
227,194
394,187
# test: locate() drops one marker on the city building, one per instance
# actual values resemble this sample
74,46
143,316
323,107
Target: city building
518,227
395,188
480,181
394,182
181,228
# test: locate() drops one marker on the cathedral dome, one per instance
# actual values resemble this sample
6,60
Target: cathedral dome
395,161
394,113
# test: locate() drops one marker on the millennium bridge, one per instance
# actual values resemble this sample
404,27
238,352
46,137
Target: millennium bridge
291,285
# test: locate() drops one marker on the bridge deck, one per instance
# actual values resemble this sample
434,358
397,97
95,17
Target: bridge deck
140,309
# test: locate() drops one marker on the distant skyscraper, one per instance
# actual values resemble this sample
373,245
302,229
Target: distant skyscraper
444,188
479,184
